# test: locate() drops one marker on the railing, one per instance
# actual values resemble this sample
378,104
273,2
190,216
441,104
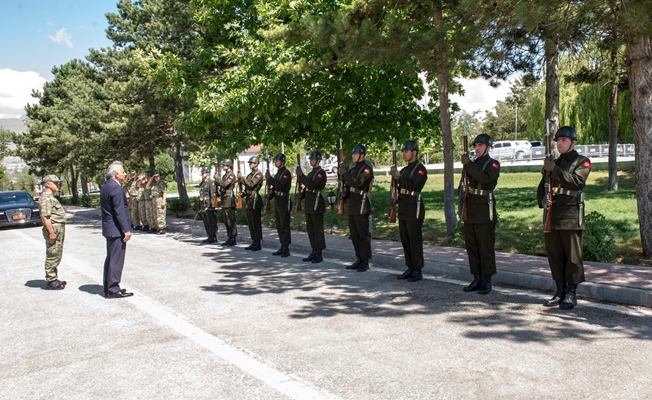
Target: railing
588,150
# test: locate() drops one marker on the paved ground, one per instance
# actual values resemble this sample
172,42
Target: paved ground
210,323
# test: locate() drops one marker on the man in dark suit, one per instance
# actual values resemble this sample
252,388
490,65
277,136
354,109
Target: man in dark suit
115,228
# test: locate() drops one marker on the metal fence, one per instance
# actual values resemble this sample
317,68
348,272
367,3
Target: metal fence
588,150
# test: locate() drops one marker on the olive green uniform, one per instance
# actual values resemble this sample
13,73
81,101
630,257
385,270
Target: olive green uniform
206,194
411,213
158,190
149,208
132,201
564,243
358,180
49,206
480,225
282,183
252,184
314,207
225,189
142,206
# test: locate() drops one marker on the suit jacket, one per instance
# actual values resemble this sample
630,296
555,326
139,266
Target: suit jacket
115,213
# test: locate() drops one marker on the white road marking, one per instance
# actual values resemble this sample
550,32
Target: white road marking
287,384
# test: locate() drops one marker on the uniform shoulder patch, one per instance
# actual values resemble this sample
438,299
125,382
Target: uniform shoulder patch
258,176
366,170
319,175
587,164
230,178
421,172
495,165
286,176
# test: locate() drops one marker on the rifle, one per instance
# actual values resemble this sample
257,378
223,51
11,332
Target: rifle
268,187
547,212
464,214
240,191
393,192
216,198
340,182
297,191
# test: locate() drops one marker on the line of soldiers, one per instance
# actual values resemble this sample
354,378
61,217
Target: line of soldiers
563,243
146,199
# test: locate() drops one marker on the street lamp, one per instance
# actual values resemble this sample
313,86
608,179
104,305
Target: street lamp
332,197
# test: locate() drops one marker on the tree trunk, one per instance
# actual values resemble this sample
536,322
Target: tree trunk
84,183
639,69
552,84
73,182
152,164
447,137
613,124
178,169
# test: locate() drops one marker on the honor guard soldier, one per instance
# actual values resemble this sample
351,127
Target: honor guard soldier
206,210
225,186
315,207
53,217
359,179
480,225
132,198
142,205
252,184
411,180
159,196
149,205
569,173
282,183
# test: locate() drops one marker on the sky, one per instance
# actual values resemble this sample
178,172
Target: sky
37,35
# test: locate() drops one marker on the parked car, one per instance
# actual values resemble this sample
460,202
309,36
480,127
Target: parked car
330,165
18,207
511,149
536,143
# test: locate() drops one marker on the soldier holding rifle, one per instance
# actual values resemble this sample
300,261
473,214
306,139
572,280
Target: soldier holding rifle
315,207
565,178
206,210
282,183
252,184
225,187
411,180
480,222
359,179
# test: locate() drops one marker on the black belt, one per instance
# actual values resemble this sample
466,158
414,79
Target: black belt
357,191
562,190
480,192
282,194
409,193
312,190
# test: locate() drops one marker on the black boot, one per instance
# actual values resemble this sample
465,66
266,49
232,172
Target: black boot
229,242
212,239
570,301
286,251
310,257
137,228
415,276
474,285
485,288
257,246
558,297
279,251
406,274
207,240
145,228
355,265
364,266
161,232
251,246
152,230
318,257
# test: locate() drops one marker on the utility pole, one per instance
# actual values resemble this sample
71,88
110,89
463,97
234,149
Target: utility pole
516,121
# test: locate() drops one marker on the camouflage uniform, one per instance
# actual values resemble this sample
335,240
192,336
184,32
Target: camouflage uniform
132,196
158,190
49,206
142,207
149,208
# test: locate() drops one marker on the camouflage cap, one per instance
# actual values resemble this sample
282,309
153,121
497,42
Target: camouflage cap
51,178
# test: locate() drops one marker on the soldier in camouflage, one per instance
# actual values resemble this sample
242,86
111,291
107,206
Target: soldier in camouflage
131,192
149,205
53,217
159,195
143,224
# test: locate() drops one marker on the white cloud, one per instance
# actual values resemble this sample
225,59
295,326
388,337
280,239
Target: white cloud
15,91
480,96
61,36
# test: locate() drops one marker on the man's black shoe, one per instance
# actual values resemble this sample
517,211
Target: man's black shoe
279,251
145,228
318,257
251,246
119,295
474,285
286,251
160,232
364,266
138,228
355,265
257,246
107,293
310,257
406,274
485,288
558,297
570,301
55,285
152,230
415,276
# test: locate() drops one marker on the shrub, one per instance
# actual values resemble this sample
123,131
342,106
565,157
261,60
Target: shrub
177,206
599,243
86,201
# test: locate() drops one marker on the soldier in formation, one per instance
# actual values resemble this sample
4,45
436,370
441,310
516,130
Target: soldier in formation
225,189
411,212
563,243
142,205
315,207
359,179
159,190
282,183
53,217
252,184
131,191
480,226
206,210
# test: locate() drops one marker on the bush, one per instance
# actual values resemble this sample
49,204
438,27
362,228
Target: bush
599,243
86,201
177,206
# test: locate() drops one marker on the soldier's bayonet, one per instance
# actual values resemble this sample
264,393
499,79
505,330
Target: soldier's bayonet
580,208
491,206
364,197
317,199
418,205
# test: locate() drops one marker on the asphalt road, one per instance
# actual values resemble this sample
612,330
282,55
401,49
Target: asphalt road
213,323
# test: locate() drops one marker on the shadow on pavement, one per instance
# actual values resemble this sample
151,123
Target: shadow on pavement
36,283
92,289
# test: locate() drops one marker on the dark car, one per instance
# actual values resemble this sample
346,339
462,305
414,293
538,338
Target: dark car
18,207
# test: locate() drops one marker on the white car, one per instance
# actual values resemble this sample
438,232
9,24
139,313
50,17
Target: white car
511,150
